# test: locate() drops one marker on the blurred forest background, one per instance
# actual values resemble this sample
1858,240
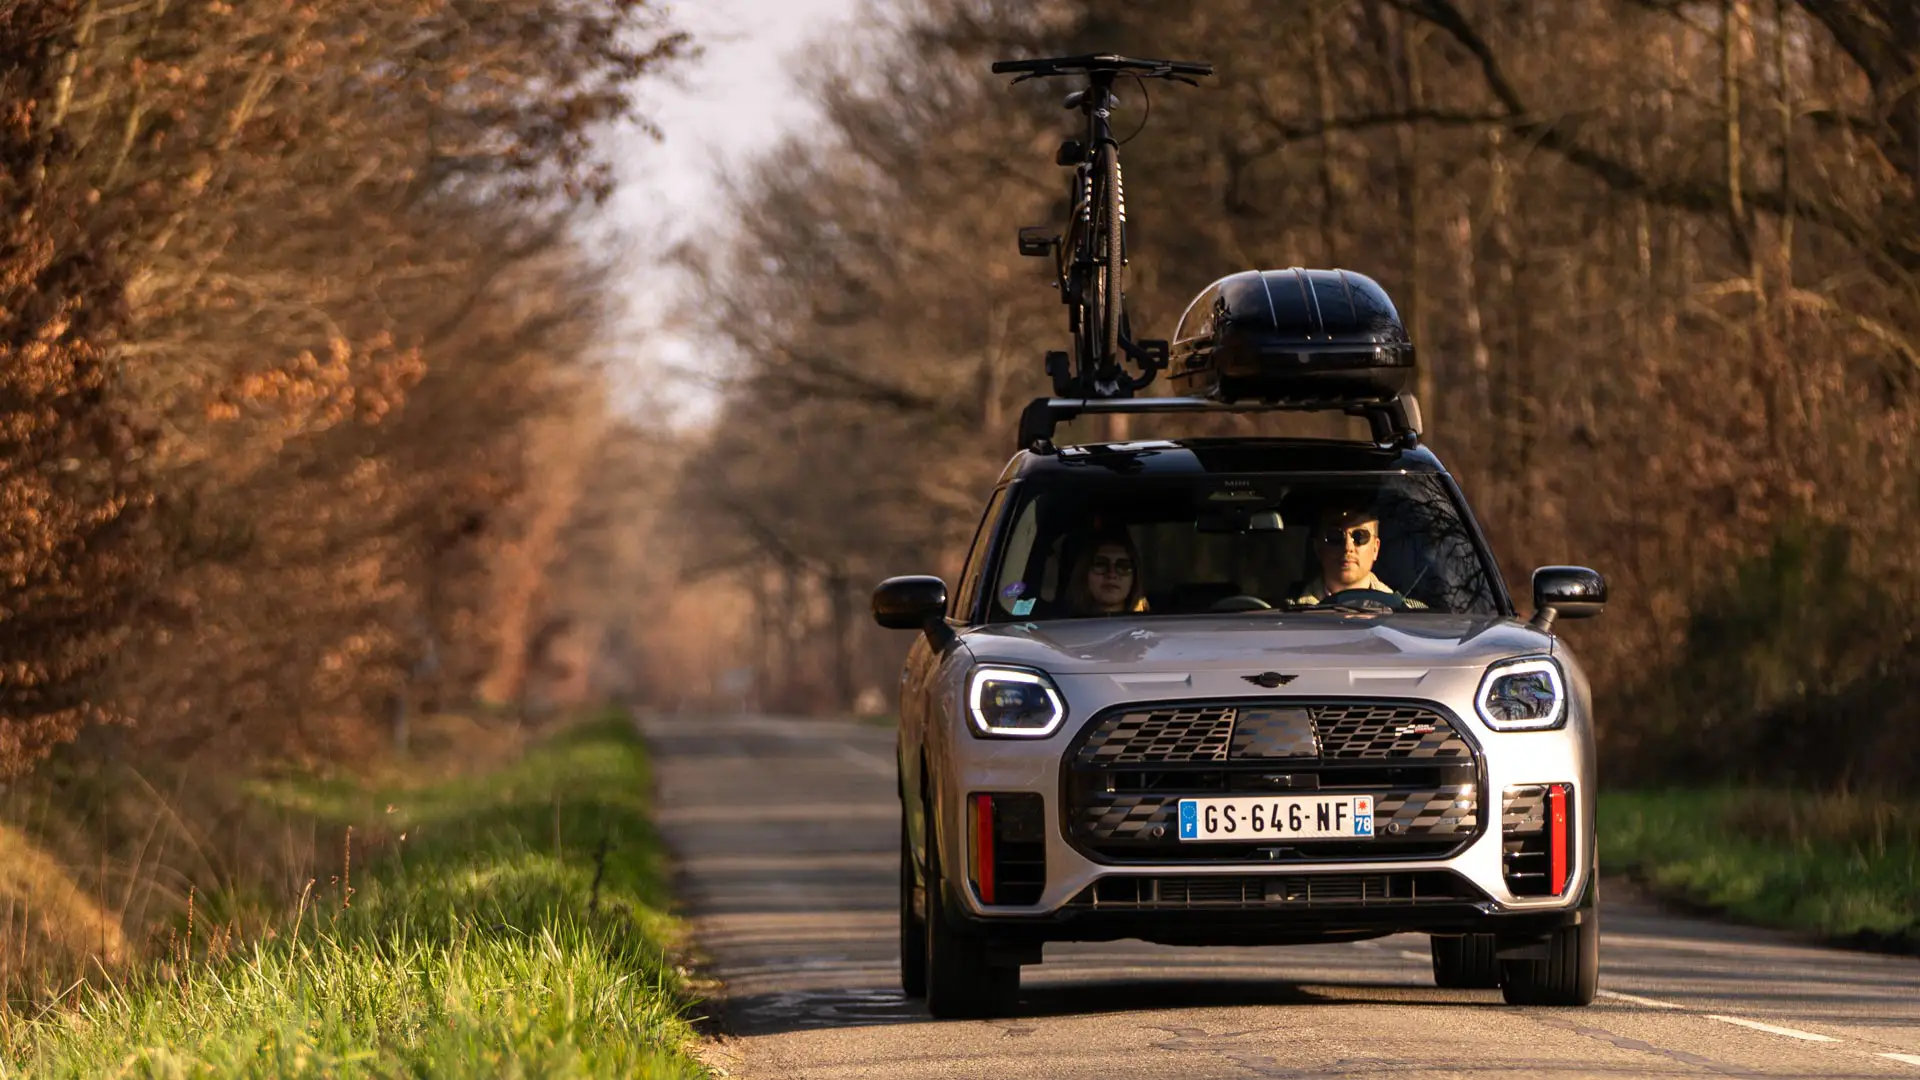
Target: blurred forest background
1661,259
306,421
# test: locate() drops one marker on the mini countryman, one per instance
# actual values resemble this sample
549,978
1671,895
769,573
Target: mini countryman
1244,691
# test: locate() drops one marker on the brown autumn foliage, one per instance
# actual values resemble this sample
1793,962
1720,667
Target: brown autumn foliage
71,509
1660,258
303,278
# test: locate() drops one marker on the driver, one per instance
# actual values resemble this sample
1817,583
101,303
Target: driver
1346,539
1106,577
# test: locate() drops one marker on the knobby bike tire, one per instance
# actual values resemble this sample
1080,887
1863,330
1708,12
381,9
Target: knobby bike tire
1109,238
1078,259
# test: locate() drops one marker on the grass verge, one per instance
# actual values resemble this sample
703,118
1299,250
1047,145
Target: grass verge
1845,867
505,924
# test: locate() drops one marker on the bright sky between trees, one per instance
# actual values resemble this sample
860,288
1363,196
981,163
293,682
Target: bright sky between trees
736,100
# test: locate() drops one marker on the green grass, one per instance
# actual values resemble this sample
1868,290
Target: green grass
1844,866
469,941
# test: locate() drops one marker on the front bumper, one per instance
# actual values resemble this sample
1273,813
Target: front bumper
1160,894
1281,923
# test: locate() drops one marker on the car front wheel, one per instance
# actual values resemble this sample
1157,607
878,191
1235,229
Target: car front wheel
913,931
1570,974
960,982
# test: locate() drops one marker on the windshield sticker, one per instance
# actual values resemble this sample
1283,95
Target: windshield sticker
1014,591
1022,607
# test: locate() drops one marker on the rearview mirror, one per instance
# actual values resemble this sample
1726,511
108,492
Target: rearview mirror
910,602
1569,592
1238,521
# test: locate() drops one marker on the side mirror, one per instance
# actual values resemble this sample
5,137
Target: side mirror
1571,592
910,603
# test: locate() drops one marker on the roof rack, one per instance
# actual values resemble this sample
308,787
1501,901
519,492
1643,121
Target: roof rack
1395,422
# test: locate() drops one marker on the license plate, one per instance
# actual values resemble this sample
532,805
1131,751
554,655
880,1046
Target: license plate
1294,817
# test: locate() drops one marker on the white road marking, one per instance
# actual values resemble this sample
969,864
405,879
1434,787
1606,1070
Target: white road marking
1634,1000
1411,955
1904,1059
1771,1029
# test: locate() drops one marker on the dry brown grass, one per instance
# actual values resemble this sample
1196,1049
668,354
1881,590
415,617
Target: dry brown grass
105,869
49,922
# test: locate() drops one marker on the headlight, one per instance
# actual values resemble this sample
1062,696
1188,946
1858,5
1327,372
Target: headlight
1523,695
1013,703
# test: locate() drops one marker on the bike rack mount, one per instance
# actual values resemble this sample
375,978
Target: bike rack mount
1394,422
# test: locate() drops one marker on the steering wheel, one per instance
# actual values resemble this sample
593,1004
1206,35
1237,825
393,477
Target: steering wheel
1367,598
1239,602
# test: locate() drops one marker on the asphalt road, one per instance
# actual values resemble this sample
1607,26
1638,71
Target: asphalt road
786,832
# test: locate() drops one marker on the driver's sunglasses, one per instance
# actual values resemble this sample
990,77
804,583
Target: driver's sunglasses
1361,537
1117,567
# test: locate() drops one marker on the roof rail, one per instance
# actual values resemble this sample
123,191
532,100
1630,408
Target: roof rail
1395,422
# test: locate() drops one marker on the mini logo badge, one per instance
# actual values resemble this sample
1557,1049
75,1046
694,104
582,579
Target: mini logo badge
1270,679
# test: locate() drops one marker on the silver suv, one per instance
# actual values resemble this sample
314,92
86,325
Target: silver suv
1241,692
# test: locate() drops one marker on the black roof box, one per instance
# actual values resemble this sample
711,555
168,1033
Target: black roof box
1292,336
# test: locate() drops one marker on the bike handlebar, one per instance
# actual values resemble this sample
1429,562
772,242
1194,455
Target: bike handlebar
1082,65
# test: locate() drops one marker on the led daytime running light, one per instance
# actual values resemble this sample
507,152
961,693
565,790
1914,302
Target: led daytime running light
976,686
1556,714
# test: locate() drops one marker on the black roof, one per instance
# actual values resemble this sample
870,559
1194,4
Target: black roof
1192,457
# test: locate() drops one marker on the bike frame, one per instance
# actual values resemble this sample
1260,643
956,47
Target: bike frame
1078,258
1095,369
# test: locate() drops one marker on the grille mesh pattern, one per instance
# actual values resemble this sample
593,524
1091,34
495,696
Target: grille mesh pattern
1386,731
1161,736
1218,733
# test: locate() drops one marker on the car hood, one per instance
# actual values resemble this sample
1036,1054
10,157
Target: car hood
1259,642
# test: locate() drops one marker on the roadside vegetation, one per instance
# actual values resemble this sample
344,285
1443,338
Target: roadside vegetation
508,922
307,444
1842,866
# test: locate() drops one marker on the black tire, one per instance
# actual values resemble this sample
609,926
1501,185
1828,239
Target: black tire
960,983
913,932
1109,252
1570,975
1465,962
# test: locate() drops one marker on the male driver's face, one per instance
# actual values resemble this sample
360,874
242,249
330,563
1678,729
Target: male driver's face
1347,544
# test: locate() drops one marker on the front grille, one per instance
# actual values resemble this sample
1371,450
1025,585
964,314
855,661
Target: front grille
1232,892
1124,776
1188,734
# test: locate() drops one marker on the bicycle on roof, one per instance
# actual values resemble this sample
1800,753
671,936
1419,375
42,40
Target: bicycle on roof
1091,258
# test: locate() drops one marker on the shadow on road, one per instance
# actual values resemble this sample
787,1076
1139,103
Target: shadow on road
773,1013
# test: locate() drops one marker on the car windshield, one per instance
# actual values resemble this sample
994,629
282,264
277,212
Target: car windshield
1085,547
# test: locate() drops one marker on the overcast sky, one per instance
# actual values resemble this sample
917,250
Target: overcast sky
737,99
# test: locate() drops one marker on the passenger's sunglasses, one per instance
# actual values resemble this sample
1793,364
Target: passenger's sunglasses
1338,537
1117,567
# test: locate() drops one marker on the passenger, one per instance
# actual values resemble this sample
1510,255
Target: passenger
1106,578
1346,539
